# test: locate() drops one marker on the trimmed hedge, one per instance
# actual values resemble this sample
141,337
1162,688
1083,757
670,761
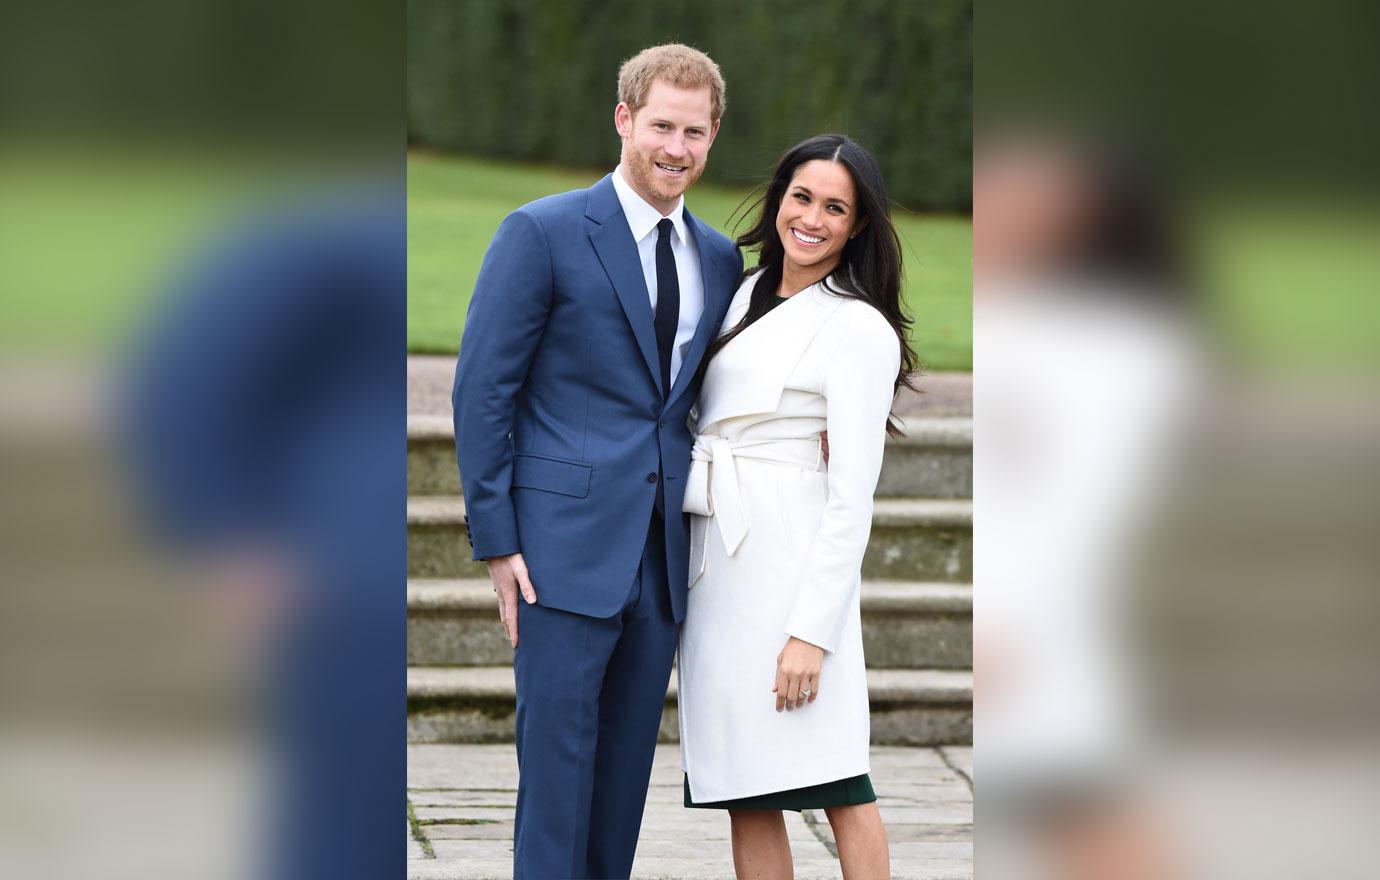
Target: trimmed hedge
537,80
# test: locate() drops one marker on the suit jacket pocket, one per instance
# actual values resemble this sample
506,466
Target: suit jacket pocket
551,475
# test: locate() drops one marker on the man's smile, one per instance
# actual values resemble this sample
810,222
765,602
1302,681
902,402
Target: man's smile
674,170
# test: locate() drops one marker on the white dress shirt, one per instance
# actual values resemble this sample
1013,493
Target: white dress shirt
642,220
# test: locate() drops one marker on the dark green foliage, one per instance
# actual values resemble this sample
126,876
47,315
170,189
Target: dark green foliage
537,80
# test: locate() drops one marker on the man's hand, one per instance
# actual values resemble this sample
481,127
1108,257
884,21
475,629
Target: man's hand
509,575
797,671
824,445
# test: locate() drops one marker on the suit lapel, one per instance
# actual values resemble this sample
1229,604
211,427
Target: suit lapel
613,243
715,291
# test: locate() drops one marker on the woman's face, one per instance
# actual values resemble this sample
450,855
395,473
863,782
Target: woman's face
818,213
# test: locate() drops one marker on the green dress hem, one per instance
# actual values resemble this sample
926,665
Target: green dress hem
839,793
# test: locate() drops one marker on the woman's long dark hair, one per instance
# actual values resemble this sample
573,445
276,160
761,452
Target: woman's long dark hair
869,267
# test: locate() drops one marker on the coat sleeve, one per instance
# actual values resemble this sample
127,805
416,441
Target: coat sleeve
507,314
859,386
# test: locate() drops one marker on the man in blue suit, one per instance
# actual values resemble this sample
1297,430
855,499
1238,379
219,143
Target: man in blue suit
577,371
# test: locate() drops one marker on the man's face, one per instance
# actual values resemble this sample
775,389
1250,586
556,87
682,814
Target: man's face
666,144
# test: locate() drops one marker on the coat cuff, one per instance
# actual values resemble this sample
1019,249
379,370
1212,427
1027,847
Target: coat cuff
488,540
816,633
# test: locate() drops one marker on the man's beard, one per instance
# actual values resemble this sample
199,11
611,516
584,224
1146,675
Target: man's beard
644,169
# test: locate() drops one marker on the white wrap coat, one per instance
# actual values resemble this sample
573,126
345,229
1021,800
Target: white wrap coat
777,541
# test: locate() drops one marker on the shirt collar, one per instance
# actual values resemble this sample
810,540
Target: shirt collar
642,217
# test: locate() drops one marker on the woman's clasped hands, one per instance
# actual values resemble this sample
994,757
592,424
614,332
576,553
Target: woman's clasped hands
797,674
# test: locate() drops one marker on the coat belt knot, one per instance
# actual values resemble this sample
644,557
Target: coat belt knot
712,489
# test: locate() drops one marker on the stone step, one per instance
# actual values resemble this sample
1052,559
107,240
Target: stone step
912,707
916,539
934,460
906,625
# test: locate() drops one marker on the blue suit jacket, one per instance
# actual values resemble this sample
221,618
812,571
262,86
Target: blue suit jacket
562,428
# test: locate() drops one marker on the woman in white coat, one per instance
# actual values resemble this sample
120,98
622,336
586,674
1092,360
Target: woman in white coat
792,422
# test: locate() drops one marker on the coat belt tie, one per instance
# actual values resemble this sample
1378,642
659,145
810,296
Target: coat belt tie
712,489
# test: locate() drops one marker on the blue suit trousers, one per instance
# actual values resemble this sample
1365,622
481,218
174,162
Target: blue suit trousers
590,692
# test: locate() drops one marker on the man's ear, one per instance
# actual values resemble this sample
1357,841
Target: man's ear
623,120
714,131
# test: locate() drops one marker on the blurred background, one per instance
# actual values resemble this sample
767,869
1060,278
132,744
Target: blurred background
1176,230
202,332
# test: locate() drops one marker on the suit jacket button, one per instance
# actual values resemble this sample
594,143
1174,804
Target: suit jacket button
651,478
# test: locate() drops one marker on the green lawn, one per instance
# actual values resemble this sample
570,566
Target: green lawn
454,205
88,240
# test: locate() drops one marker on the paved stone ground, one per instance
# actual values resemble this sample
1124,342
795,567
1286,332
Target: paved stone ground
429,379
461,800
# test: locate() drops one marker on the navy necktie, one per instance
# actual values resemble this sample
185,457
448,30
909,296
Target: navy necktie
667,301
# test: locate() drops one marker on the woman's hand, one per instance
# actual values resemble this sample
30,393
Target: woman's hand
797,674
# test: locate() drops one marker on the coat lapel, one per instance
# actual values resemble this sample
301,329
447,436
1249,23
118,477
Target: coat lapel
613,242
716,290
749,374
